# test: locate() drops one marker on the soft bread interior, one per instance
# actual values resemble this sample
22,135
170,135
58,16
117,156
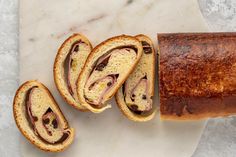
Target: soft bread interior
76,63
144,69
122,60
68,64
119,60
40,104
41,100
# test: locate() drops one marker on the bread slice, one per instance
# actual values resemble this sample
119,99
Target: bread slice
69,61
135,97
40,119
105,70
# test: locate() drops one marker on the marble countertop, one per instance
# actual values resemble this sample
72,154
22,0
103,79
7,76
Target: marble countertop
219,137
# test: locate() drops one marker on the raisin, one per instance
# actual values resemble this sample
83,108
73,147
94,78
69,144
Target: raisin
100,67
76,49
146,47
46,121
35,118
144,97
147,50
109,84
103,64
54,123
145,44
49,110
71,62
116,75
123,89
138,112
134,107
132,97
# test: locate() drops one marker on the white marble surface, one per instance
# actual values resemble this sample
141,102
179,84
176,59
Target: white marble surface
39,40
219,138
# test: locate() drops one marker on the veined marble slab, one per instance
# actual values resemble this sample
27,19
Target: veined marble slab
44,25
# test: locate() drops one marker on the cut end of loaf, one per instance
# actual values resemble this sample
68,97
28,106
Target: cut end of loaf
134,98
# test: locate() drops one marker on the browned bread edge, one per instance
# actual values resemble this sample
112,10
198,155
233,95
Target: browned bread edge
72,103
91,55
24,133
125,111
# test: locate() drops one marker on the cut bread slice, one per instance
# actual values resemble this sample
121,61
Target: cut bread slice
40,119
135,97
105,70
69,61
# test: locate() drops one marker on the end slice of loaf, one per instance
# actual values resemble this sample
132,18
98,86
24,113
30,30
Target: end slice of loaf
40,119
68,64
135,96
105,70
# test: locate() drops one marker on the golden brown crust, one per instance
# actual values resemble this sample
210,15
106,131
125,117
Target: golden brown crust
197,75
24,133
91,55
120,97
70,101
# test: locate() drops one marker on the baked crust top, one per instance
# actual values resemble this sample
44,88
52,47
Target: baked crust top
197,73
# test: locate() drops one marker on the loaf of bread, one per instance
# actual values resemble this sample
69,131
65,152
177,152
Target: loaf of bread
135,97
40,119
197,75
106,69
68,64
